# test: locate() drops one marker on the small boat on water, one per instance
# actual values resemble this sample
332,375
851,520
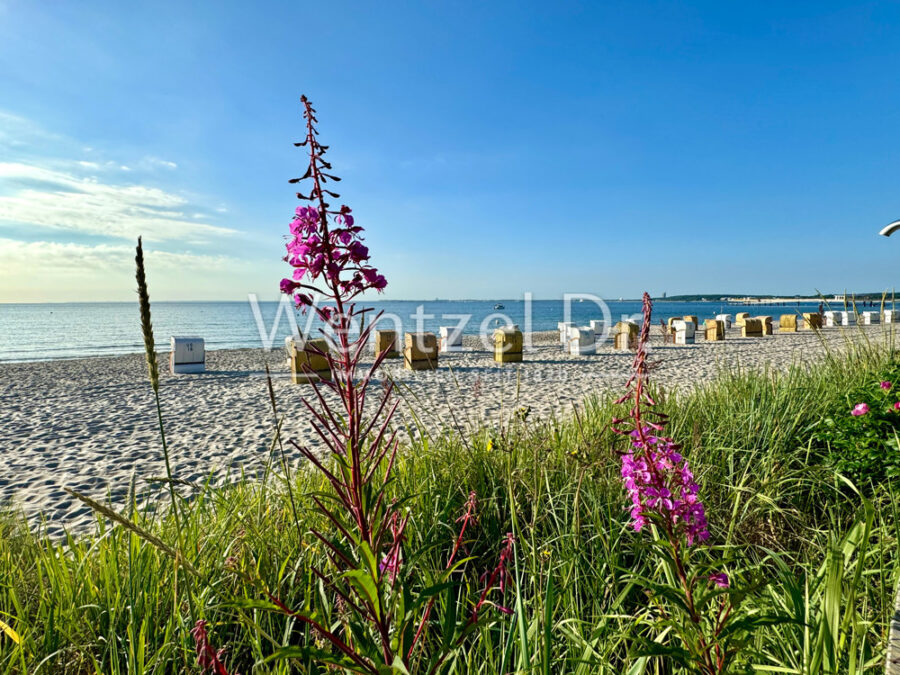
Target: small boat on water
499,306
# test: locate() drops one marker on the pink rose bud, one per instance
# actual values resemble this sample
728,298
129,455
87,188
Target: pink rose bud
885,385
859,410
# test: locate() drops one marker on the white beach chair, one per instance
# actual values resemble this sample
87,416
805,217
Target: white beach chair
451,339
684,332
724,318
188,355
582,341
563,327
870,318
291,343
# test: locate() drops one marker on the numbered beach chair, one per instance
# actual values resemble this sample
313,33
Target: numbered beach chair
188,355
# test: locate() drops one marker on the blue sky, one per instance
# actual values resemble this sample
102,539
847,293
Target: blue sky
488,148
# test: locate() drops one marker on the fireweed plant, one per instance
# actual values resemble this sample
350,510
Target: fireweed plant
376,610
696,600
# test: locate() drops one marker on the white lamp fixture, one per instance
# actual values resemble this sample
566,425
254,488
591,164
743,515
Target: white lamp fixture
890,229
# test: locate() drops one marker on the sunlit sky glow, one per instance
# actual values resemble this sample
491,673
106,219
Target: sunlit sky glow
488,148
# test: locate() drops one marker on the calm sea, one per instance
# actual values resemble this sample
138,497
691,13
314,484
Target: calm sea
33,332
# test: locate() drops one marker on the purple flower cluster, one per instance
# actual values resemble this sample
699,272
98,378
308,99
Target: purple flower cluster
659,481
316,251
325,244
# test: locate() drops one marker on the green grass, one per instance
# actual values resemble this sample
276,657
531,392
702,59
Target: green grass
823,549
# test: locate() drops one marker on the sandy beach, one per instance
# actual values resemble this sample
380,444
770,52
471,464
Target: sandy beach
90,424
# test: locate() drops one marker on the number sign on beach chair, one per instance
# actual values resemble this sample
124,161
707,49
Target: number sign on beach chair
188,355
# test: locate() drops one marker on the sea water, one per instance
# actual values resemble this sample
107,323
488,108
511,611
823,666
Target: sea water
32,332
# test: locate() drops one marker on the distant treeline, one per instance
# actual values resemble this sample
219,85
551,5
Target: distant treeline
717,297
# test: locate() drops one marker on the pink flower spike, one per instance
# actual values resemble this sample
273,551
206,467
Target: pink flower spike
720,579
885,385
859,410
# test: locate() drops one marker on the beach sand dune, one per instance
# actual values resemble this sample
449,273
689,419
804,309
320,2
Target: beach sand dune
90,424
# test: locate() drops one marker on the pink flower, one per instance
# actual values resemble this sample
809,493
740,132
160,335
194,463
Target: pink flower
317,248
288,286
897,406
720,579
658,480
859,410
885,385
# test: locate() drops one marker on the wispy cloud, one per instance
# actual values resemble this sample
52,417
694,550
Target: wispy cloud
61,272
157,163
61,200
70,212
20,256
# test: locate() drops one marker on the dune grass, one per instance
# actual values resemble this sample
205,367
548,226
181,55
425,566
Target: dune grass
820,549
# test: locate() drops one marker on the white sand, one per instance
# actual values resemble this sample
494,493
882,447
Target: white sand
90,424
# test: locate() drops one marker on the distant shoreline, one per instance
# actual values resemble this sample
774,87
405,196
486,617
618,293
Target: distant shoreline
712,297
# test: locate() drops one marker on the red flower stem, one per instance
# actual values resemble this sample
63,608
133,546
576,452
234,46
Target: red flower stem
470,507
